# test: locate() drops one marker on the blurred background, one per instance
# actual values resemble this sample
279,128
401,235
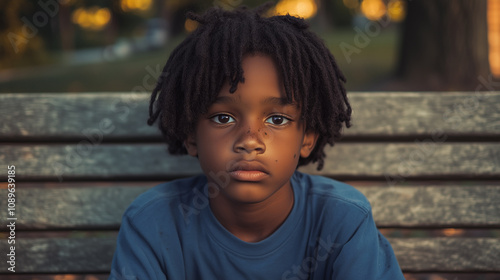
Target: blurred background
112,45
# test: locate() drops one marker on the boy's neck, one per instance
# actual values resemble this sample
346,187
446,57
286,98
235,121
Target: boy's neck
255,221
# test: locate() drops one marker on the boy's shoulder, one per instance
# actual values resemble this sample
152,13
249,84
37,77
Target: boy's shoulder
325,191
164,196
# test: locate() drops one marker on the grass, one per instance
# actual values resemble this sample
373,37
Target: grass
372,63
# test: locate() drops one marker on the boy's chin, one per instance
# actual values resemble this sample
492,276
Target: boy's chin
247,193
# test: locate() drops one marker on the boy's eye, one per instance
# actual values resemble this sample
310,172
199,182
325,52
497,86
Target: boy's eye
277,120
222,119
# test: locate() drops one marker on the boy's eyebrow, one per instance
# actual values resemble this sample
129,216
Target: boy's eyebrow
270,100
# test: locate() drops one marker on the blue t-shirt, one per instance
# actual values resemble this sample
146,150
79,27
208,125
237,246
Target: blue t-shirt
169,232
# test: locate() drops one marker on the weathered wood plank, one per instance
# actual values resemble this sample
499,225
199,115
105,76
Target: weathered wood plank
435,206
61,255
397,162
120,115
447,254
450,276
394,162
407,113
61,162
75,115
94,255
89,208
415,206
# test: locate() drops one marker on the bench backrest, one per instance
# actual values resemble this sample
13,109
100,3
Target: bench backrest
426,161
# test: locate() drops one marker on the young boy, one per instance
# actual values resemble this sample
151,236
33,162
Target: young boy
252,98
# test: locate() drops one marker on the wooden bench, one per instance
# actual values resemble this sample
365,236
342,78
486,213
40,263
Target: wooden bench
428,162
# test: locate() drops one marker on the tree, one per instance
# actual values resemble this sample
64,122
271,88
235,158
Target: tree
444,45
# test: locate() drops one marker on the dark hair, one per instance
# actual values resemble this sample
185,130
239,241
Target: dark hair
197,69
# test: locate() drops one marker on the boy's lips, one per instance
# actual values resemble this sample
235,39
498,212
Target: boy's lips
248,171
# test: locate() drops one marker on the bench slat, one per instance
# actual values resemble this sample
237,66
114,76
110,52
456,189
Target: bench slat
435,206
70,208
120,115
61,255
66,255
394,162
74,115
447,254
406,113
409,206
399,161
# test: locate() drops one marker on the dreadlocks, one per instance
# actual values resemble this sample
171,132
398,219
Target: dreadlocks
197,69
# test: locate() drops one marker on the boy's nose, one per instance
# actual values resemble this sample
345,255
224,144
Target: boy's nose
249,141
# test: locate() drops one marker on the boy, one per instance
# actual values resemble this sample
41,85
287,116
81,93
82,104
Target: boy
252,98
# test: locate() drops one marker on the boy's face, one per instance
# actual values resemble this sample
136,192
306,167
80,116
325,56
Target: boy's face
249,142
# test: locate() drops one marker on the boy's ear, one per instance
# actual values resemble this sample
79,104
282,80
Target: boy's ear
310,138
190,144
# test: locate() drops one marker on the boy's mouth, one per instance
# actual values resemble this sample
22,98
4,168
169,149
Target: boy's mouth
248,171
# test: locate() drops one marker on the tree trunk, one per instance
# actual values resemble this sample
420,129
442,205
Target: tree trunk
444,45
66,28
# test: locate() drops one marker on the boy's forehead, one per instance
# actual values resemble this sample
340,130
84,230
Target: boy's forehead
262,82
271,100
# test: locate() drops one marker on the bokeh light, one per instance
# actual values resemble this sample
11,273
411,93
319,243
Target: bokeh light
494,36
373,9
135,5
190,25
94,18
453,232
351,4
396,10
301,8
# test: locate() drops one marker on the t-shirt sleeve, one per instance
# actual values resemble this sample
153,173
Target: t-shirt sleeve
367,255
134,257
